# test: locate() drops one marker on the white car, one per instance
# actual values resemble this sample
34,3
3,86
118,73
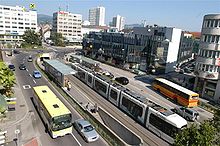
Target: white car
86,130
187,113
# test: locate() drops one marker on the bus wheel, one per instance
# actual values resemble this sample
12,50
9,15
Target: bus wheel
158,90
175,100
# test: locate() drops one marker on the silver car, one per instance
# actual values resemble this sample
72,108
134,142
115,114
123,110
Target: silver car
86,130
187,113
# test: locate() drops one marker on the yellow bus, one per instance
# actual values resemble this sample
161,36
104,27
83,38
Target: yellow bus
176,92
56,116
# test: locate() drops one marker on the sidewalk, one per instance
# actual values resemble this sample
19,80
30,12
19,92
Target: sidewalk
21,118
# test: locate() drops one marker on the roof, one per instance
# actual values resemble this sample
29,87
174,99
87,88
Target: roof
53,105
60,67
88,60
196,35
177,120
187,91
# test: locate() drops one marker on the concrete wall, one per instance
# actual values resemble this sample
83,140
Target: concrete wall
121,130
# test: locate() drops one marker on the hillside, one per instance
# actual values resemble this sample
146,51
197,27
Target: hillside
44,19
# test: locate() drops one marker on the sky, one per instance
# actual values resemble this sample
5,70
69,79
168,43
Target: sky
184,14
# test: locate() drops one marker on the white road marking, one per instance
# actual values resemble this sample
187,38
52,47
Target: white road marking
26,86
76,139
34,81
30,75
27,70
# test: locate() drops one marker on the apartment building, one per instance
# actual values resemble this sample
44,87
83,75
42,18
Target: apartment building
207,68
14,21
68,24
97,16
118,22
153,49
160,52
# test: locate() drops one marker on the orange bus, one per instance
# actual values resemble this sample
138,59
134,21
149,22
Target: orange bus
176,92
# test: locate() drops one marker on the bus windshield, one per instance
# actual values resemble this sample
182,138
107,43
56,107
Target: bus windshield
61,122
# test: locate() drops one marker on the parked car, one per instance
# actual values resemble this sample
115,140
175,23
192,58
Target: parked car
30,59
36,74
86,130
108,74
122,80
11,67
22,66
188,113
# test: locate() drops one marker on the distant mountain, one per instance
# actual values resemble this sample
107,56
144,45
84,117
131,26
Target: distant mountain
44,19
127,26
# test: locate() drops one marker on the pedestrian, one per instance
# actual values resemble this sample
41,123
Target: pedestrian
87,106
95,108
68,85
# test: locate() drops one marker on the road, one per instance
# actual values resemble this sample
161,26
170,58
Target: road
148,137
142,85
24,78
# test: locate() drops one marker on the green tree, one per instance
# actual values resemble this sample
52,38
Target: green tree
216,124
32,38
58,39
195,135
7,79
187,137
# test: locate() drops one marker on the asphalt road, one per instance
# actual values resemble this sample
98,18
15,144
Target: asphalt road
24,77
148,137
142,85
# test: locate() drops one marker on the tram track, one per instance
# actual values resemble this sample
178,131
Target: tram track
148,140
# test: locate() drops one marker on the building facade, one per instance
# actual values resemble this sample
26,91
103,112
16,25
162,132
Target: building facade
155,50
118,22
188,47
97,16
161,51
68,24
207,68
14,21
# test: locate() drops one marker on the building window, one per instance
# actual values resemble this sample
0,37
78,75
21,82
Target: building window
216,23
217,39
212,23
27,23
7,22
208,23
14,26
209,92
21,23
7,26
14,22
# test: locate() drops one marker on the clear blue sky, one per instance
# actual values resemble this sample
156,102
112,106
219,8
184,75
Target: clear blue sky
184,14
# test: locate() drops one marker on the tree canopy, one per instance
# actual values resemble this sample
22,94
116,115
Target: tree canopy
57,38
32,38
205,134
7,79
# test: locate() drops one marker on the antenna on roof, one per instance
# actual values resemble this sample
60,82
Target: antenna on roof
59,9
67,8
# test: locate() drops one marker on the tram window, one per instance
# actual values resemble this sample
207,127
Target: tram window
81,74
89,78
132,107
113,94
100,86
162,125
